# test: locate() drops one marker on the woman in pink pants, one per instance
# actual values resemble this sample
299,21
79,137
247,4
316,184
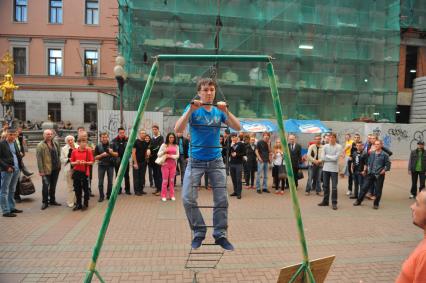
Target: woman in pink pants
168,154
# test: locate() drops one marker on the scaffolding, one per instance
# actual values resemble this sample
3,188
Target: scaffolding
334,59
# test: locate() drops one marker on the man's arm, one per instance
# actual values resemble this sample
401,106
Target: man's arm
39,156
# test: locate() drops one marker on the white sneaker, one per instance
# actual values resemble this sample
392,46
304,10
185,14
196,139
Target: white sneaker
173,198
348,193
411,197
163,199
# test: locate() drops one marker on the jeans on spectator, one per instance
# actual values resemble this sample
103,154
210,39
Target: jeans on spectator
314,178
358,182
350,175
81,185
236,170
7,190
414,176
181,163
262,169
139,177
216,171
371,179
126,178
109,170
49,186
327,175
276,177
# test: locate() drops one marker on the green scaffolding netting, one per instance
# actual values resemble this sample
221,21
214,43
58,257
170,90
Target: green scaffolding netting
334,59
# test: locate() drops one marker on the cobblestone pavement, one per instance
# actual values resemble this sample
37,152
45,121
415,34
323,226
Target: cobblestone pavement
148,241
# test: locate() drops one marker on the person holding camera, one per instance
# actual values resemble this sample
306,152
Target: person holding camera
105,154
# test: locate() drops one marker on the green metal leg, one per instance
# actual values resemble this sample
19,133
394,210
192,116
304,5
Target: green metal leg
120,174
287,160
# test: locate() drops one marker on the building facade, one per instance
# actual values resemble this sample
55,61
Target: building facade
64,55
334,60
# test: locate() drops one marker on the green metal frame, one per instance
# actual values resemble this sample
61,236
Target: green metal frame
305,267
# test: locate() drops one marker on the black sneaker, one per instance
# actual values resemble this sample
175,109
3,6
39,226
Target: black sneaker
196,242
267,191
9,214
323,204
334,206
55,203
258,191
225,244
17,211
233,195
356,203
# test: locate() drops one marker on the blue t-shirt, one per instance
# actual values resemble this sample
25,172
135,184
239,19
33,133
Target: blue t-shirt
205,136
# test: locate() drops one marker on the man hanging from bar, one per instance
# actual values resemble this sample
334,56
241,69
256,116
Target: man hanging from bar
205,157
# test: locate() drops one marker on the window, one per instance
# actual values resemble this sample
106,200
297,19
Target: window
55,11
55,62
410,66
20,59
90,63
54,111
20,11
92,12
90,112
20,111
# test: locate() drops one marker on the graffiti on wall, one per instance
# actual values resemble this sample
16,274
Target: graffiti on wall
417,136
398,133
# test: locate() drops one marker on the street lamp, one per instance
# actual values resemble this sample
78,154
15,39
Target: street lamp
120,76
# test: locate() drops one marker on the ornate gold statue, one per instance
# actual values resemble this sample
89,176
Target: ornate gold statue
7,86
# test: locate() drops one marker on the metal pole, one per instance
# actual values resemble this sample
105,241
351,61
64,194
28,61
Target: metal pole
120,175
287,160
214,58
120,82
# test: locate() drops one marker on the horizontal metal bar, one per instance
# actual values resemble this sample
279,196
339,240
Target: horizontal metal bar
201,226
209,244
208,126
205,206
205,146
214,58
208,104
206,253
195,267
202,259
211,187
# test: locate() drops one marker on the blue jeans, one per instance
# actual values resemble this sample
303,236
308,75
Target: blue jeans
262,169
215,169
314,178
7,190
326,186
109,170
358,182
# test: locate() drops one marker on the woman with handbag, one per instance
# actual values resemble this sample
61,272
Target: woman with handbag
278,171
167,156
81,159
66,151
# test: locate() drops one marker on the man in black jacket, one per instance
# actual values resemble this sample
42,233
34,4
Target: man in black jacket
417,168
120,143
295,156
156,141
183,145
105,154
237,151
10,166
139,163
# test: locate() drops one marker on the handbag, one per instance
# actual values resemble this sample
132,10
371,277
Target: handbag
160,159
27,186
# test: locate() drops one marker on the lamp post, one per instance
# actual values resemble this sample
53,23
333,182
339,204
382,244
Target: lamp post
120,76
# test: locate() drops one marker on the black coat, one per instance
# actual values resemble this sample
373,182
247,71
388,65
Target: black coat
295,155
240,151
251,157
6,156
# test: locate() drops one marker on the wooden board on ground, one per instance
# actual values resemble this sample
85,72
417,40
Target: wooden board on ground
319,267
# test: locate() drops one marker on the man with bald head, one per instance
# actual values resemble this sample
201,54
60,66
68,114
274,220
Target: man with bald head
49,165
414,268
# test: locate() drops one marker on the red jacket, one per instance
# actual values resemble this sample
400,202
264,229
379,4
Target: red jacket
85,155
